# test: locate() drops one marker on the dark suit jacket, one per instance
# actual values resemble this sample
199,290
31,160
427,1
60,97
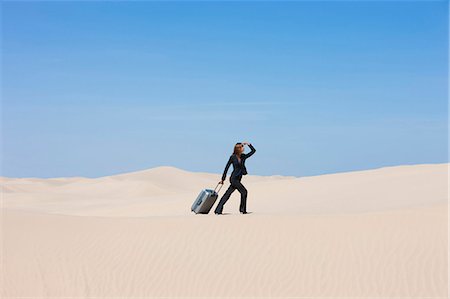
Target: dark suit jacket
238,168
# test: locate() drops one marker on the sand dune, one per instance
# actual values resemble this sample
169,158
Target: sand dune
373,233
169,191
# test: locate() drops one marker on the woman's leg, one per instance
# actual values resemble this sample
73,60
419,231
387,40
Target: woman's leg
224,198
243,191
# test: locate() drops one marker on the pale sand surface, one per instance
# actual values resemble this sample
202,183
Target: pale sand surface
374,233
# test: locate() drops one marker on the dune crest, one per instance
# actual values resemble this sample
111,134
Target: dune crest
170,191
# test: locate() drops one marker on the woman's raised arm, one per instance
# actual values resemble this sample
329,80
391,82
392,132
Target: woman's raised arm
252,150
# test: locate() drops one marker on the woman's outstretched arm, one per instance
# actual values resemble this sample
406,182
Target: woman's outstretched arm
226,169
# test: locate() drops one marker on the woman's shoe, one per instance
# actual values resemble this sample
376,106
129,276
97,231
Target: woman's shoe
243,212
217,213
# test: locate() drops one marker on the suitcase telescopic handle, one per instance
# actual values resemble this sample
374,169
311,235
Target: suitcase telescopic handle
219,188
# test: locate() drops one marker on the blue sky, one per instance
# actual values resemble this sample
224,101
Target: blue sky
99,88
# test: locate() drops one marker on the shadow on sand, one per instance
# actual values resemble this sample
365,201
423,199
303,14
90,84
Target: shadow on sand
212,213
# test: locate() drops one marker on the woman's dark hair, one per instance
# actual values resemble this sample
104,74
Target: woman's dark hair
237,150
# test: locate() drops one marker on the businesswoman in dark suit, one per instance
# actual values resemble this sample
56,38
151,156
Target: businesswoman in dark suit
238,160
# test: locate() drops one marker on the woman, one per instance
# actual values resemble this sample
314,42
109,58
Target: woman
238,160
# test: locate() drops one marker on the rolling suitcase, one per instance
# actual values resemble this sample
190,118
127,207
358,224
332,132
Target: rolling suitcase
205,200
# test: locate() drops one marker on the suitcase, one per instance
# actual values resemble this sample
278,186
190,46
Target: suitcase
205,200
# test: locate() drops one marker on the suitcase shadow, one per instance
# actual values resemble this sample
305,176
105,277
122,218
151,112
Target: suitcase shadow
215,214
233,214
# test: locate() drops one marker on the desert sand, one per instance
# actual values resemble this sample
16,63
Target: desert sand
374,233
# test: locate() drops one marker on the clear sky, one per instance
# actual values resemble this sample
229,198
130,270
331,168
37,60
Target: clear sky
99,88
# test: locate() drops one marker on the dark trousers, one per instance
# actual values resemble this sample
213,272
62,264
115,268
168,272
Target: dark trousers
235,184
